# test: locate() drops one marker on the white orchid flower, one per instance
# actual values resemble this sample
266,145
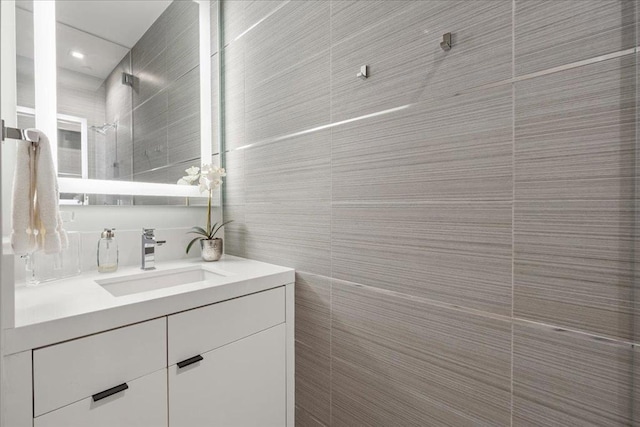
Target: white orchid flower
191,178
193,171
208,177
216,172
204,184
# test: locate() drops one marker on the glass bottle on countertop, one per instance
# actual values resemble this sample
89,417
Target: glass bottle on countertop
107,251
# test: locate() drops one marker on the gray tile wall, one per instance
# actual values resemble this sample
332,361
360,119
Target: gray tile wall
160,120
462,224
166,94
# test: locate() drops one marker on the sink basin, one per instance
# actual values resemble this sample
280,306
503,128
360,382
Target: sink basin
153,280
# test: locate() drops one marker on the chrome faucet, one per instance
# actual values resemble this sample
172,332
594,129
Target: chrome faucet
149,244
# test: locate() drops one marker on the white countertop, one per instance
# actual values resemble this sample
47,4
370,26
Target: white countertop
65,309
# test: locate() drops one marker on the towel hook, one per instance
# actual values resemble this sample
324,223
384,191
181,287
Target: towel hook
445,44
364,72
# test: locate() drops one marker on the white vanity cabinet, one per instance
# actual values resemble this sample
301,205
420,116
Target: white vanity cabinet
115,378
219,352
227,363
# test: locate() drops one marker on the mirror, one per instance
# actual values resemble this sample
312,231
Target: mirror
133,92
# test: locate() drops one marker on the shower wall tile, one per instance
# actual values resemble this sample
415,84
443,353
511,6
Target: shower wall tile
150,151
233,17
313,321
551,33
313,381
151,115
117,154
150,134
183,140
234,95
184,96
290,234
234,184
295,169
351,17
420,235
117,150
561,378
118,95
235,233
293,101
575,133
257,11
313,345
457,252
180,16
298,30
406,62
574,264
150,80
458,149
636,382
151,44
399,361
305,419
184,117
183,52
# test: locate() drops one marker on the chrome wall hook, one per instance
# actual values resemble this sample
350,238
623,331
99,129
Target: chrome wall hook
127,79
445,44
364,72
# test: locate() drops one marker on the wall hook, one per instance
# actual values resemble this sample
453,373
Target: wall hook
364,72
127,79
445,44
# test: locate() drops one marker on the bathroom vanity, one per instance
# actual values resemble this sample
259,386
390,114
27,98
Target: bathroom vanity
187,344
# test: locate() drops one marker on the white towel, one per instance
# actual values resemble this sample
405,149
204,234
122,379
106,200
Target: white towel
36,218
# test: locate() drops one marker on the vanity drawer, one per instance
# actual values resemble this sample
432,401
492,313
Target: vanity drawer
143,403
74,370
203,329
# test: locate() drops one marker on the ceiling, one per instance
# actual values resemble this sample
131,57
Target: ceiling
104,31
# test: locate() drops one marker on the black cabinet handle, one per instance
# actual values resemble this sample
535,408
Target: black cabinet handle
190,361
109,392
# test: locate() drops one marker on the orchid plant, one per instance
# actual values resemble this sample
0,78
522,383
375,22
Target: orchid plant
208,178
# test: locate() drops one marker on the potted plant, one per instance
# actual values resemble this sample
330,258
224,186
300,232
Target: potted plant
208,179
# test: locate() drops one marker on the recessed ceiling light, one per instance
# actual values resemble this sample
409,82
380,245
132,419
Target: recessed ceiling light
77,54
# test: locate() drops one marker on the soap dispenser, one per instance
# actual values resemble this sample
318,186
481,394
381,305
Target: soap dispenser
107,251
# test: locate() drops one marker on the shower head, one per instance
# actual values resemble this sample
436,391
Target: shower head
102,130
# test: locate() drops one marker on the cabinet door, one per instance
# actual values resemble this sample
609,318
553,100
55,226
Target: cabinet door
241,384
142,404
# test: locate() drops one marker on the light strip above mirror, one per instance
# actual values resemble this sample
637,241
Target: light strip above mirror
127,188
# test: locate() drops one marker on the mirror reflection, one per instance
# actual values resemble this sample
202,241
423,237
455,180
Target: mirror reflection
128,91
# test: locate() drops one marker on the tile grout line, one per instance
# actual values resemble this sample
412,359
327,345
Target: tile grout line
513,192
488,315
513,80
330,421
634,290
